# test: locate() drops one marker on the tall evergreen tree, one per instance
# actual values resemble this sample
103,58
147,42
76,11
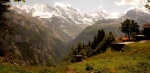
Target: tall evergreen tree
105,43
89,44
100,35
79,47
98,38
3,24
94,43
4,27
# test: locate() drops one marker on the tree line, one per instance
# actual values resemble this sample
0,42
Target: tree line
99,45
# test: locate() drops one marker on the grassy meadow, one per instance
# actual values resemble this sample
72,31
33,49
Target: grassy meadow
9,68
134,59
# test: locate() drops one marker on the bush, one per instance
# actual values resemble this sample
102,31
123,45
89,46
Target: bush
89,67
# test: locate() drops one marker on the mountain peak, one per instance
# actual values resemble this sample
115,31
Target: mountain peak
137,9
25,8
73,15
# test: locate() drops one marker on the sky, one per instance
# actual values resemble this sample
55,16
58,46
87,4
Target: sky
112,6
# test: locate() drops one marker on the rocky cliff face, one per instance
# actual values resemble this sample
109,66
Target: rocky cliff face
32,43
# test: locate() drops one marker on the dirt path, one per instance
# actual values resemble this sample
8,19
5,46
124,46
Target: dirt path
70,71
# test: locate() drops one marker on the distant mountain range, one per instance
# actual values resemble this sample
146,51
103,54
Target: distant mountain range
67,12
44,31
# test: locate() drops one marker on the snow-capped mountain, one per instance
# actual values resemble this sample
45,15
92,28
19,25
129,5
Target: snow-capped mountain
57,10
63,20
70,15
140,15
73,15
67,12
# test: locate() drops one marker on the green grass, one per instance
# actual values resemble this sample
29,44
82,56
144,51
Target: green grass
9,68
135,58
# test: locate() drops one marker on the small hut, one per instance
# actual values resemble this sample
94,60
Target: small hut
117,46
78,58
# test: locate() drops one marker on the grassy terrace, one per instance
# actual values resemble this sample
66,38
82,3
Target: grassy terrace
134,59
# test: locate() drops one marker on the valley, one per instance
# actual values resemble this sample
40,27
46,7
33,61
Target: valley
132,60
42,36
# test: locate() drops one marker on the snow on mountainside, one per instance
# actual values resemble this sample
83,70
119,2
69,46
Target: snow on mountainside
140,15
137,9
63,20
112,25
73,15
58,9
64,11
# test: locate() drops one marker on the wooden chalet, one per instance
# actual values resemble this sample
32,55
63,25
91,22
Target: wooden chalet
146,28
117,46
146,33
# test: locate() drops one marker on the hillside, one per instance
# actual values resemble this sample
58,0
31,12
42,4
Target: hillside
32,42
132,60
88,33
141,17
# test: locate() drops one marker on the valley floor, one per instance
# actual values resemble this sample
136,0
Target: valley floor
134,59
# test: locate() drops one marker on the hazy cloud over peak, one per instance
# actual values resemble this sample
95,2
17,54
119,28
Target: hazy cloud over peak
131,2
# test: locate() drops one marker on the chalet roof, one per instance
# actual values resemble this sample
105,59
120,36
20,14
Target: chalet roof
146,26
140,35
122,42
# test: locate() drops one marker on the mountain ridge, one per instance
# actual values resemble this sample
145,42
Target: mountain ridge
72,14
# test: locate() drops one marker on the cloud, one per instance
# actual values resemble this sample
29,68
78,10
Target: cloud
138,9
131,2
62,4
100,7
103,10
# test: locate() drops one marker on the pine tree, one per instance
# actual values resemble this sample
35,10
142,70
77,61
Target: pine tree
89,44
100,35
3,24
105,43
94,43
79,47
98,38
